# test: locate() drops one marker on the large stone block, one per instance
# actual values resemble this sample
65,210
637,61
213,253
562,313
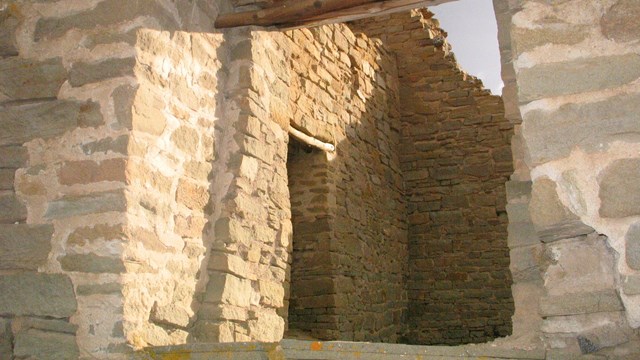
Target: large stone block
9,22
92,263
24,246
29,79
37,344
580,303
22,123
6,339
105,13
552,135
551,219
631,285
37,294
228,289
85,171
11,209
77,205
620,22
619,189
525,39
85,73
13,157
577,76
632,249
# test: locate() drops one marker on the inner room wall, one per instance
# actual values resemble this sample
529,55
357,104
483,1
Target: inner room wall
455,156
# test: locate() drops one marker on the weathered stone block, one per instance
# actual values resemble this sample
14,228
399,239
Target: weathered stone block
193,196
117,145
563,34
37,294
268,327
22,123
11,209
24,246
6,179
105,13
99,289
77,205
518,190
552,135
631,285
37,344
521,234
85,73
60,326
620,22
9,22
147,115
228,289
578,76
6,338
186,139
551,219
13,157
619,190
89,234
86,171
632,248
91,263
172,315
29,79
580,303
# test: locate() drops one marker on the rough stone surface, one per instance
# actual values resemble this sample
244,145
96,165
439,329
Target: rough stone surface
13,157
77,205
632,249
631,285
86,172
22,123
34,294
580,303
38,344
24,246
564,78
619,22
9,21
12,210
85,73
552,135
619,192
91,263
27,79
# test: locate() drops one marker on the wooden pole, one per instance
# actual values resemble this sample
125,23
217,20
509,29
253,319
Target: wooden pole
287,12
311,141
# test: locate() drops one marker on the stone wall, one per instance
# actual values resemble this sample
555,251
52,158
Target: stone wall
575,64
81,162
455,157
346,92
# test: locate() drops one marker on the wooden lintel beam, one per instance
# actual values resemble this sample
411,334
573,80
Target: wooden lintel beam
286,12
360,12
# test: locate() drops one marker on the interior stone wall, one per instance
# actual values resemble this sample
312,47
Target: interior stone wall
455,157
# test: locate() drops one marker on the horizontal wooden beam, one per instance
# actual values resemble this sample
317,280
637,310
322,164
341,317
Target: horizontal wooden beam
378,8
308,13
285,12
310,140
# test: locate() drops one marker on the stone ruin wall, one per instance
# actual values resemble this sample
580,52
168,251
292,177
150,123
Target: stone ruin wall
345,90
455,156
572,239
94,240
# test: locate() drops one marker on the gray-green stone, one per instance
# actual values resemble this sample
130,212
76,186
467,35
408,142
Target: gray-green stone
23,246
22,79
581,303
37,294
105,13
13,157
620,189
631,285
551,135
620,22
632,249
8,25
99,289
85,73
11,209
577,76
76,205
91,263
22,123
37,344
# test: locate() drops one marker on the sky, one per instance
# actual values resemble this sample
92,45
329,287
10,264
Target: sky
473,35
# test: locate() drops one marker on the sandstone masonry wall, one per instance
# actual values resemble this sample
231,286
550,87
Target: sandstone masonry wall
346,92
575,64
455,156
69,251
